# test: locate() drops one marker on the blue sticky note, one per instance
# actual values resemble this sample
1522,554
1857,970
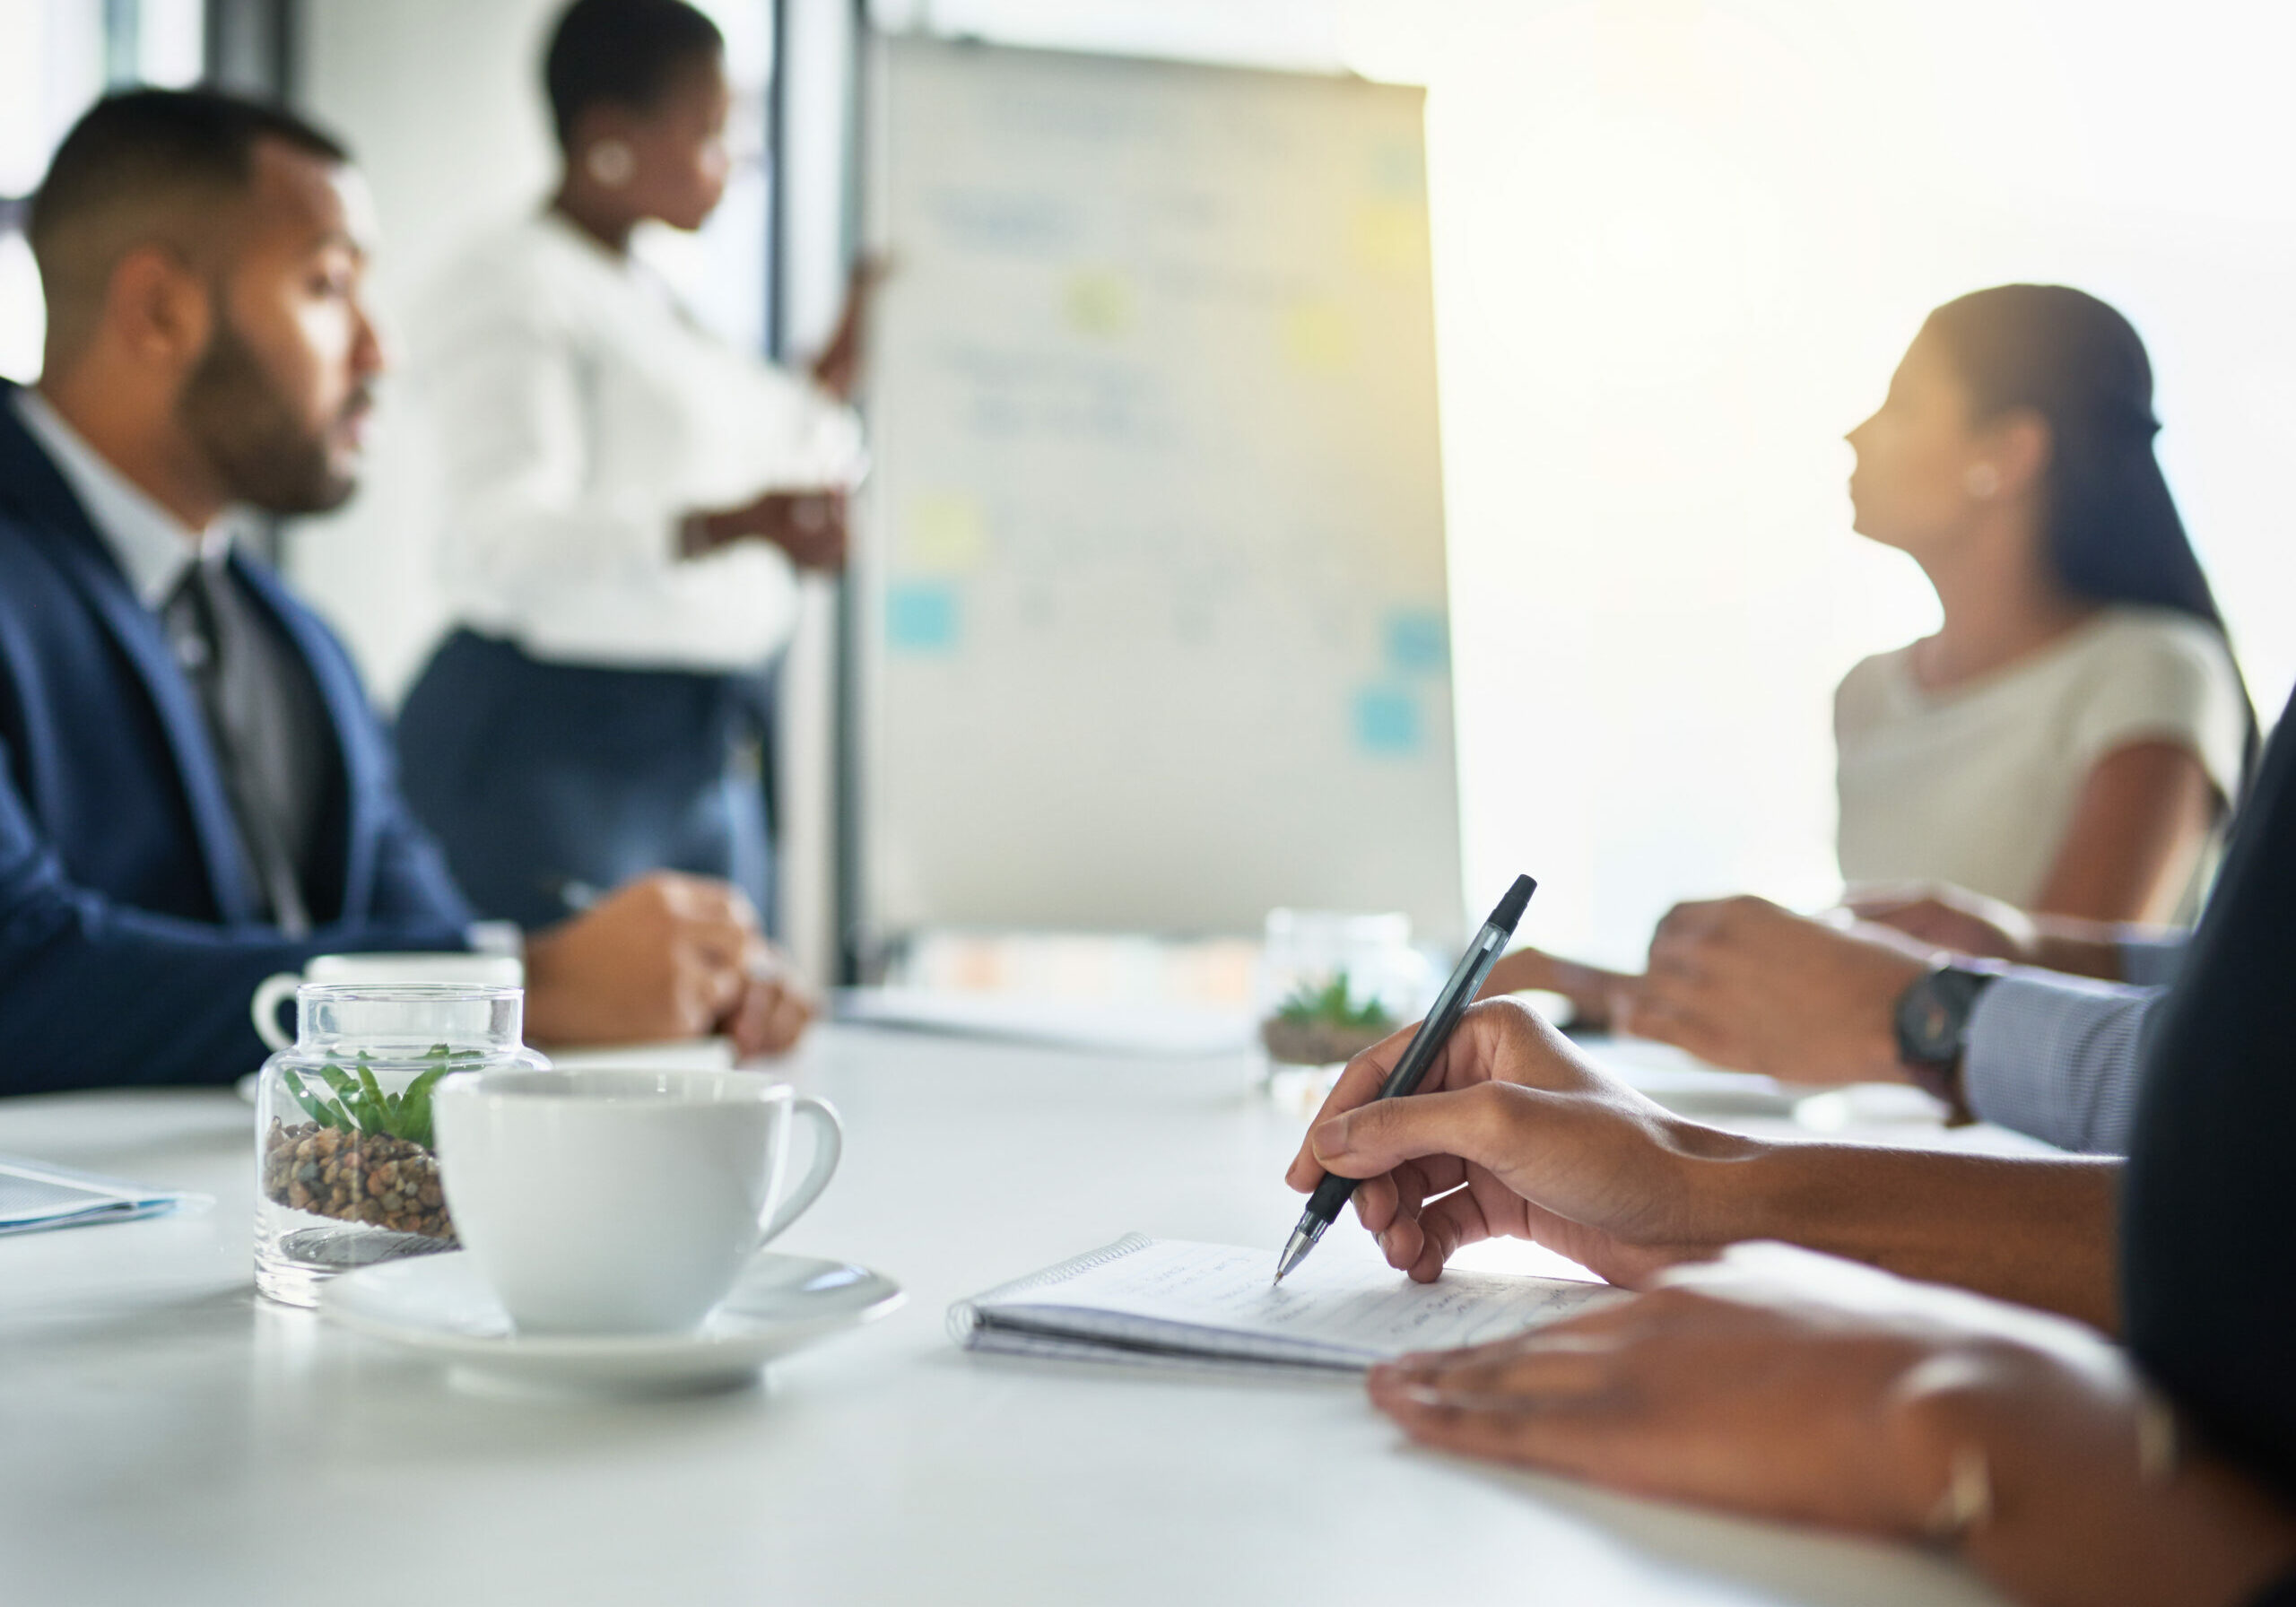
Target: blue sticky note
1419,642
920,618
1386,721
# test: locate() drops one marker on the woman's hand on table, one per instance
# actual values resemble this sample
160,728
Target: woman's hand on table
1512,1134
1784,1385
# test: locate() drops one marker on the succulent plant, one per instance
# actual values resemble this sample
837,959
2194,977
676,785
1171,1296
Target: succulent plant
1334,1005
359,1105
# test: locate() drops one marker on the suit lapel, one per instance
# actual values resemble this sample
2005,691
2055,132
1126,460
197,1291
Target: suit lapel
58,521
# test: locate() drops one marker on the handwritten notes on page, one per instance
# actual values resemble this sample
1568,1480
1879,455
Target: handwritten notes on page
1153,1301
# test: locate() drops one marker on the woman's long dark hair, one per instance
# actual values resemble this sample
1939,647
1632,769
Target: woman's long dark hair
2110,528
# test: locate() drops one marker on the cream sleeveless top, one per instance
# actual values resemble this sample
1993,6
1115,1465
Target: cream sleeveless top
1976,785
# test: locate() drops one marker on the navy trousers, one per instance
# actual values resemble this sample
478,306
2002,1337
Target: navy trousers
550,783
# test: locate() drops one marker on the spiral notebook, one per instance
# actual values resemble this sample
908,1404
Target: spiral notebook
1167,1302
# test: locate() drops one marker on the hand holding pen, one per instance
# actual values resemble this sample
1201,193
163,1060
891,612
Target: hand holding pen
1513,1134
1331,1192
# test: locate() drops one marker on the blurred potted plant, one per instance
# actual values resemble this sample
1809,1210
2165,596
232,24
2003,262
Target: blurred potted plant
1325,1025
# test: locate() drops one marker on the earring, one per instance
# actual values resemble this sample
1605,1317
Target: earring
1982,481
612,162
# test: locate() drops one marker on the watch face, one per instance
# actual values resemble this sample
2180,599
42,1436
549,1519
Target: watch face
1934,1015
1932,1026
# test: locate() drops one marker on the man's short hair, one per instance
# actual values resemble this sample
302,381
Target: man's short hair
134,164
620,53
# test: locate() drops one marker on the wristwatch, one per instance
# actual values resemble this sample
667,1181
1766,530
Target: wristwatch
1933,1028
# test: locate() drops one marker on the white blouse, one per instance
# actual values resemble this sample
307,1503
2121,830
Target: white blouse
1977,785
579,415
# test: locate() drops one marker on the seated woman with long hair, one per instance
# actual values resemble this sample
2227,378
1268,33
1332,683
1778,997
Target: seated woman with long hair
2072,738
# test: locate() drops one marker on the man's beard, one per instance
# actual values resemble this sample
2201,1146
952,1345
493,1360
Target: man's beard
265,456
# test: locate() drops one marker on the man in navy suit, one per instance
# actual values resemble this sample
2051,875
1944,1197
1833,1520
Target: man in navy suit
194,791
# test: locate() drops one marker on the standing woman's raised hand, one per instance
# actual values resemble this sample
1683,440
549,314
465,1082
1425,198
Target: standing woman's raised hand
838,368
811,526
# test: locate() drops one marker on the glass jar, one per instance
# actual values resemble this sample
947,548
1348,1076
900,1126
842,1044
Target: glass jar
1331,983
345,1175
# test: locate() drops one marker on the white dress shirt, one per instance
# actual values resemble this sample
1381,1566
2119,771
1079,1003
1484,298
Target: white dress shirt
579,416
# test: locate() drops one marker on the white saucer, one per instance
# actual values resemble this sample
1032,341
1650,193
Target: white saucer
439,1305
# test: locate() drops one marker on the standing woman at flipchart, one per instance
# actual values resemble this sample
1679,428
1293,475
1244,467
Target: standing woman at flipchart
625,503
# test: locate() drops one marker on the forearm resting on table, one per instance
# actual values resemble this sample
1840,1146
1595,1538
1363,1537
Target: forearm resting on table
2038,1231
2079,1507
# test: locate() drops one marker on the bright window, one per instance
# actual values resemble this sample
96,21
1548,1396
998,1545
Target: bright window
56,57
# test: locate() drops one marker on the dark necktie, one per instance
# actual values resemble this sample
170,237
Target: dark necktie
248,723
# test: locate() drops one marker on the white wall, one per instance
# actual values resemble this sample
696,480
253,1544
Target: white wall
439,99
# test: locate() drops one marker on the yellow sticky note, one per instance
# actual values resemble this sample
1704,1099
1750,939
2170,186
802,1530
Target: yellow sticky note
1318,336
944,534
1387,238
1099,303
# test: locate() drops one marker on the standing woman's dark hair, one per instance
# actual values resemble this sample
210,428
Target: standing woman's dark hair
2112,531
622,53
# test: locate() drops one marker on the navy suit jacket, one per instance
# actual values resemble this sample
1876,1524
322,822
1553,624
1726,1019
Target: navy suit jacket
128,945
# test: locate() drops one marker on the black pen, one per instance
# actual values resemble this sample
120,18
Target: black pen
1331,1195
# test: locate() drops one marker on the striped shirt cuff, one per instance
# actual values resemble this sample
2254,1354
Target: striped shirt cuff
2055,1057
2153,962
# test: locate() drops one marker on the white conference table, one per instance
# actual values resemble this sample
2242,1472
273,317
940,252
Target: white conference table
166,1436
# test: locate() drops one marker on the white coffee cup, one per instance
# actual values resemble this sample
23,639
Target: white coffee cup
476,970
621,1202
